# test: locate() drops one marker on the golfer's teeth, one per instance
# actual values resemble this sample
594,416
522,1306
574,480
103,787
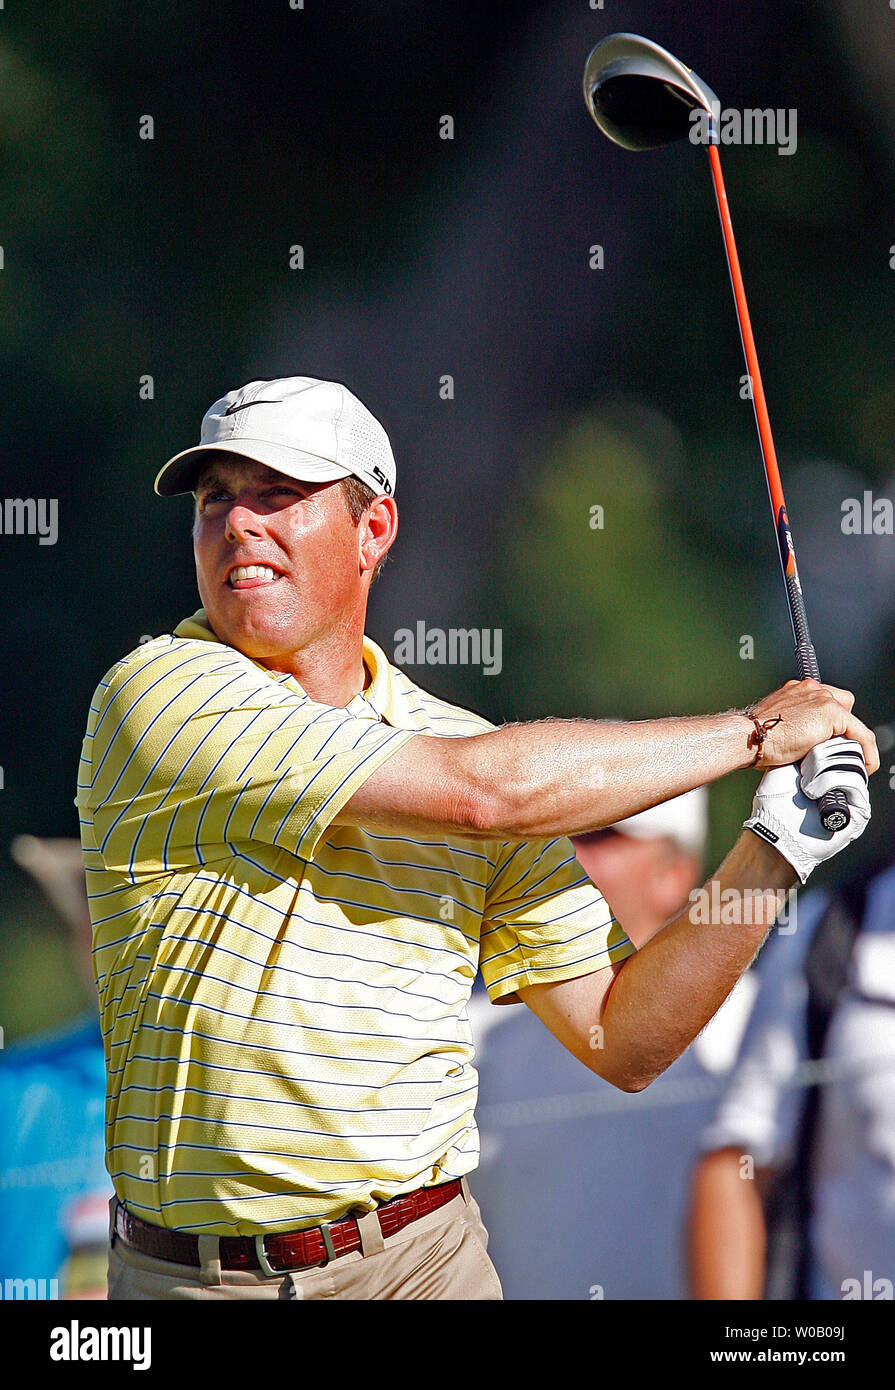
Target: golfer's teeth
251,572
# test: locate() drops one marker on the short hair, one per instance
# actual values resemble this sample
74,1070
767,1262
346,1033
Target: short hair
358,497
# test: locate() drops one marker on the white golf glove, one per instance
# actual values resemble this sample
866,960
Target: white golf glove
784,809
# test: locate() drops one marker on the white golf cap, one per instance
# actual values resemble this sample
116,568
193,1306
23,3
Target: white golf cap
314,431
683,819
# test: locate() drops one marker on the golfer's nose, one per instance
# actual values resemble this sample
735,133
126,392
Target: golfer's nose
243,524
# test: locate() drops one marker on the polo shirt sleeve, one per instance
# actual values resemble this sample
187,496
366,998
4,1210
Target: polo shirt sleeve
544,920
191,748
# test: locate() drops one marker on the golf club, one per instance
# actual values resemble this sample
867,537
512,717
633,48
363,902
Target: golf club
641,97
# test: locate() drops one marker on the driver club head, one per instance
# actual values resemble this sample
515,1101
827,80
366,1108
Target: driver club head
640,95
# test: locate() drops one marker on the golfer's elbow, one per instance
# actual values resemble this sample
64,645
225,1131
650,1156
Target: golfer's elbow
629,1074
479,810
631,1082
513,791
489,801
615,1047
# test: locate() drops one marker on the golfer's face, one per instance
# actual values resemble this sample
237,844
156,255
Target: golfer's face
276,559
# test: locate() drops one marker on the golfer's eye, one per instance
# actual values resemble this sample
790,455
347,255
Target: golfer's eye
281,493
211,496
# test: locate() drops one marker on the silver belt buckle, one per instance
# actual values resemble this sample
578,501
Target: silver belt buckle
328,1241
264,1262
268,1268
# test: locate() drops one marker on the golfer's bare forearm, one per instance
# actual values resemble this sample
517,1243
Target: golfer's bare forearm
570,777
566,777
554,777
663,996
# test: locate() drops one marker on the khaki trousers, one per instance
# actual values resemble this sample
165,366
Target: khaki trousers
443,1255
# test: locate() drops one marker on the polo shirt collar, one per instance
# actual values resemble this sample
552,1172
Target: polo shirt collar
382,695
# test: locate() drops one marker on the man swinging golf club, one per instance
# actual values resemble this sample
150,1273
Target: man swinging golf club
298,859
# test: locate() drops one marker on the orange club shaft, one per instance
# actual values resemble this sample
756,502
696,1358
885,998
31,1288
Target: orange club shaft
762,419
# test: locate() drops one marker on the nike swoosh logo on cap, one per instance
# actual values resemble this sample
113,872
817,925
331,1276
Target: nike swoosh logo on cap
232,409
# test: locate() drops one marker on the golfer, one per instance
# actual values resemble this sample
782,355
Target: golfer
298,860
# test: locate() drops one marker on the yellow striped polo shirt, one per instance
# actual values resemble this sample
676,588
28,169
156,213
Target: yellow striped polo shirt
284,1001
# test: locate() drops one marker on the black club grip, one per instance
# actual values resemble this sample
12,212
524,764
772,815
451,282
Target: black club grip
834,812
833,806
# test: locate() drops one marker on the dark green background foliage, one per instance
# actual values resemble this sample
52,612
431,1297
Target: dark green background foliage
425,257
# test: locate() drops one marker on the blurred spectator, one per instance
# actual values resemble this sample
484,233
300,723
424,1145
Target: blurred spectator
603,1173
794,1196
54,1189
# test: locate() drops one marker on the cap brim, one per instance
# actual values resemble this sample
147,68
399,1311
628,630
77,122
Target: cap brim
181,472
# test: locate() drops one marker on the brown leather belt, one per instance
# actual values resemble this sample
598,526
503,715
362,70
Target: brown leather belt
276,1254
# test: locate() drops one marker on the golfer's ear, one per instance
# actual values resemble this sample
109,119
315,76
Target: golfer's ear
378,528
